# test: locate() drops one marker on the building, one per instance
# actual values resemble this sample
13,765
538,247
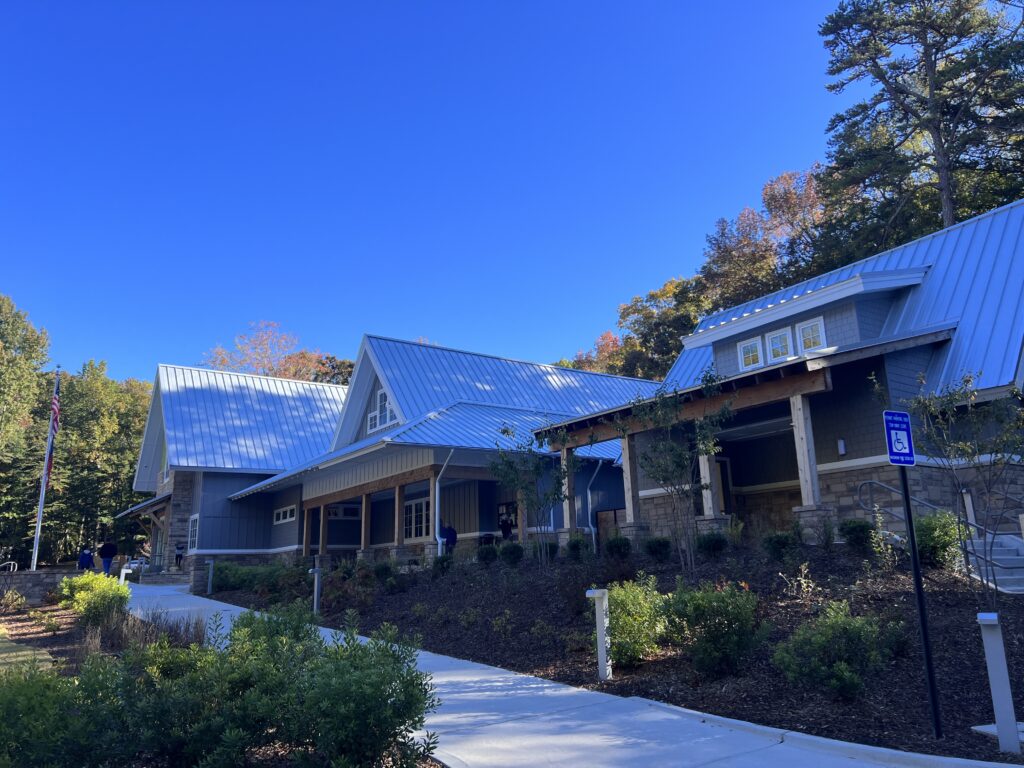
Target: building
418,431
809,369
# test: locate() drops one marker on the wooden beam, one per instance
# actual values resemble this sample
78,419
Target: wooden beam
630,478
806,461
364,519
775,391
307,529
711,492
323,530
399,515
569,490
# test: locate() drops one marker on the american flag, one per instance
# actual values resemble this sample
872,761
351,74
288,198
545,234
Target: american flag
54,427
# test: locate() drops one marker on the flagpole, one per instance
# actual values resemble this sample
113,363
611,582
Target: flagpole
46,475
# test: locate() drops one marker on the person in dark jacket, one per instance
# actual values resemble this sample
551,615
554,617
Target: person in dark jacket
451,538
179,552
506,528
85,560
107,553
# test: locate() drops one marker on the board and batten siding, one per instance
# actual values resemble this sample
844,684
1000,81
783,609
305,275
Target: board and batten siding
290,533
224,524
368,403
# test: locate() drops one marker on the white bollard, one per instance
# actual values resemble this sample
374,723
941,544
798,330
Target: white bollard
316,590
999,683
124,571
604,662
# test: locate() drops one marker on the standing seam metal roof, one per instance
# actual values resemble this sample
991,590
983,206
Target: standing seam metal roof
226,420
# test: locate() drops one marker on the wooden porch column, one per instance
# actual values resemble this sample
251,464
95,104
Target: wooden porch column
569,489
630,480
435,519
364,519
711,493
806,461
521,516
307,530
399,516
323,530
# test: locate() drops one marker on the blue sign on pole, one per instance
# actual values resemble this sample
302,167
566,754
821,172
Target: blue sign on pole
898,438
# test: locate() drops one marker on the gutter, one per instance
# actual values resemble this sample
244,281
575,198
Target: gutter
590,507
437,503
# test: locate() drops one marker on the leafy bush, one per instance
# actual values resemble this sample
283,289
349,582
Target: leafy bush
511,553
348,588
712,544
778,545
384,570
545,549
271,680
487,554
658,548
618,548
575,548
441,566
938,539
12,601
834,651
636,621
285,582
94,597
717,622
857,535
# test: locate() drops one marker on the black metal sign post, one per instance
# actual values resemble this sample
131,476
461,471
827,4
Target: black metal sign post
899,440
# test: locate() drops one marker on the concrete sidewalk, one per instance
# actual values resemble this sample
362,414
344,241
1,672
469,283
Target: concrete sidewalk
491,717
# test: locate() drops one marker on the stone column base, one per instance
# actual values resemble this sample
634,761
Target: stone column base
429,552
812,520
402,554
362,555
635,532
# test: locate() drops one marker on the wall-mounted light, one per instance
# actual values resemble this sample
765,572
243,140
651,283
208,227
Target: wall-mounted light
842,447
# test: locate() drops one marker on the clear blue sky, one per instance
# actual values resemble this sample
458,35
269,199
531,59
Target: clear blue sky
492,176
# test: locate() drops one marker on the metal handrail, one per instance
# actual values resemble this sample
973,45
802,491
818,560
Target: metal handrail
10,565
871,506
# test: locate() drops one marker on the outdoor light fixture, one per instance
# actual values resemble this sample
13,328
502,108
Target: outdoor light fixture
842,447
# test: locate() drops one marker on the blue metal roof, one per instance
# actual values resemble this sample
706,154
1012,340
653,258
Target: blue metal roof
424,377
974,281
235,421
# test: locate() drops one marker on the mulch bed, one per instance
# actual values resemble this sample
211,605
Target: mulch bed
63,644
535,619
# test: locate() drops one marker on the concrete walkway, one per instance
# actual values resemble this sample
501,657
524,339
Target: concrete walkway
491,717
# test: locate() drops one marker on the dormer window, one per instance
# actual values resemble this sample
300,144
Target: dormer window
811,334
749,353
780,345
383,415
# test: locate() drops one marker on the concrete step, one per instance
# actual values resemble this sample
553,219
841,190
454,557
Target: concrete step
1011,584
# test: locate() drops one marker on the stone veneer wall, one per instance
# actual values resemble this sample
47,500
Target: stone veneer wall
183,486
35,585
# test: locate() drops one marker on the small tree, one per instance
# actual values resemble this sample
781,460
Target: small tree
535,477
976,441
672,457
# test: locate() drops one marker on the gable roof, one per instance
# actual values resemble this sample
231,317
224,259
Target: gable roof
221,420
970,275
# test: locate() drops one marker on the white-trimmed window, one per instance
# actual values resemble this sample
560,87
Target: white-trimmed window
382,415
417,519
779,345
193,533
284,515
750,354
811,334
342,511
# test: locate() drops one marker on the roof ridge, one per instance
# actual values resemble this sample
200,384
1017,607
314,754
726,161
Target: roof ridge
249,375
508,359
873,256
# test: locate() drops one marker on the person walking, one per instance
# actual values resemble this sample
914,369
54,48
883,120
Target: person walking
107,553
451,538
179,552
85,560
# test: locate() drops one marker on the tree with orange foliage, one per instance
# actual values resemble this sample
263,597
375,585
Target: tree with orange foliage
268,351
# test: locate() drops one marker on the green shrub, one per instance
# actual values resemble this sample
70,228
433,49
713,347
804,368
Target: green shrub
833,651
576,547
94,597
349,587
284,582
545,549
778,545
938,539
712,543
857,535
511,553
441,566
636,620
717,622
618,548
658,548
486,554
383,570
12,601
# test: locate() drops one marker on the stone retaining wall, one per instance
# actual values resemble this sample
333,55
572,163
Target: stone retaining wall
35,585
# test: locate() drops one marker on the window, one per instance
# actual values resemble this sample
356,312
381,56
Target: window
285,515
780,345
750,354
342,511
811,334
383,415
193,533
417,519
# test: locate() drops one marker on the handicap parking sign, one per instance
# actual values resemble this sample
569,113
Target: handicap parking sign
898,438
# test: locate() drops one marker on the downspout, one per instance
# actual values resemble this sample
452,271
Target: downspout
437,503
590,508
